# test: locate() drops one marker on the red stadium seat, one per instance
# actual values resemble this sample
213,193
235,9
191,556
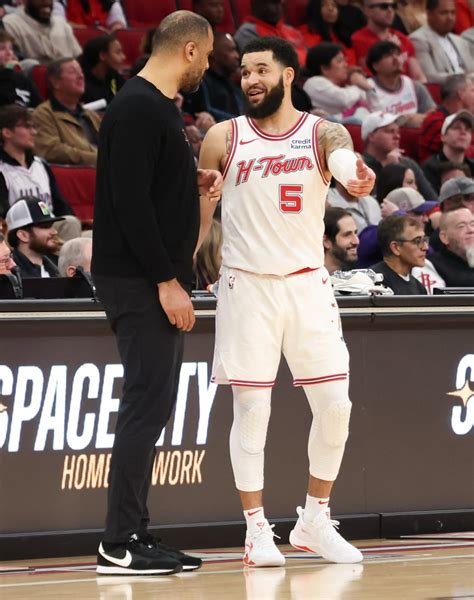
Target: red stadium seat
77,184
409,140
86,33
131,40
242,9
354,130
435,91
38,75
227,25
296,12
148,13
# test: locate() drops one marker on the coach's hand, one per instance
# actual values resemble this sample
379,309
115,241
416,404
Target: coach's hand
176,304
210,184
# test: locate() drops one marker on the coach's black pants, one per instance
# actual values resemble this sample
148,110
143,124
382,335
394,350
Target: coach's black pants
151,351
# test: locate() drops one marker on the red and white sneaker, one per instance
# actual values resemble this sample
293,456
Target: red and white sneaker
260,549
320,537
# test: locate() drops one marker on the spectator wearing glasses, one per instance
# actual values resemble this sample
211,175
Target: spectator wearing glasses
32,236
440,52
404,245
380,17
6,257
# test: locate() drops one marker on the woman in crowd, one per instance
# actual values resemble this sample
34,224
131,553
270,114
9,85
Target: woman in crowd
106,14
102,61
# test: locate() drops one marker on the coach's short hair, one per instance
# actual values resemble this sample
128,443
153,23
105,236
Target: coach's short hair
179,28
332,216
391,229
282,51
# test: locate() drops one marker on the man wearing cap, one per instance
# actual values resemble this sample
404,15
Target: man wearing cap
456,136
457,193
455,260
404,245
381,136
32,236
440,52
392,91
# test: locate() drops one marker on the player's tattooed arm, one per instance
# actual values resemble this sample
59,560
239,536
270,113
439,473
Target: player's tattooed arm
332,136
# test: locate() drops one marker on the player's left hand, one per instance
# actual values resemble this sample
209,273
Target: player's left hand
364,184
210,184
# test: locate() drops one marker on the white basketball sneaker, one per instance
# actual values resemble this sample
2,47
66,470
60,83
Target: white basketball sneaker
320,537
260,549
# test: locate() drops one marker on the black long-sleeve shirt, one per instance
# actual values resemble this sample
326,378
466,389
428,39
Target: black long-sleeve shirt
146,218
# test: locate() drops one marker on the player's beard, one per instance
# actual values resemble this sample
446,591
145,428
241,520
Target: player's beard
269,105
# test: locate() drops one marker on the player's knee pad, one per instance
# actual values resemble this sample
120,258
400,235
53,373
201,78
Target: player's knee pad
252,426
334,423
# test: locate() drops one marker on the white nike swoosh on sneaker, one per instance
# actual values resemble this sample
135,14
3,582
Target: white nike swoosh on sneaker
126,561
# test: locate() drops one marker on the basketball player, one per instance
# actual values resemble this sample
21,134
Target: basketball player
275,294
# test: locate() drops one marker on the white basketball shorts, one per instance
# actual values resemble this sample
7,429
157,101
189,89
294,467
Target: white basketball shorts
261,316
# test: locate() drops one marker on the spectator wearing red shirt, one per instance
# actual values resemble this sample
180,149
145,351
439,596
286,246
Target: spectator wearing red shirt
380,16
457,93
464,16
107,14
267,19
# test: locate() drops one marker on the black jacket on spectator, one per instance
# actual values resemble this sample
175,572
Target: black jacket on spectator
217,95
96,88
60,205
432,164
453,269
394,281
16,88
29,269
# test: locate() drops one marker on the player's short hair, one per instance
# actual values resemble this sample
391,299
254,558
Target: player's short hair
378,51
332,217
179,28
282,51
321,56
390,229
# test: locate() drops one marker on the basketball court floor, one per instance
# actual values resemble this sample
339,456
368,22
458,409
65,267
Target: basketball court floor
434,568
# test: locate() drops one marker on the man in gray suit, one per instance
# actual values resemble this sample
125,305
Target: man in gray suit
440,52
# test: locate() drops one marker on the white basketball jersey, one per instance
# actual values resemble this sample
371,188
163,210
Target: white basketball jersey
402,102
27,182
273,199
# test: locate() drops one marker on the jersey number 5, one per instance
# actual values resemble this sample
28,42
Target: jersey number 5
291,198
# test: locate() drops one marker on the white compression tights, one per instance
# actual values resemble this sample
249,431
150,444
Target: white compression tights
331,408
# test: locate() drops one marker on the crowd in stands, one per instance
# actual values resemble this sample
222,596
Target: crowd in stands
398,75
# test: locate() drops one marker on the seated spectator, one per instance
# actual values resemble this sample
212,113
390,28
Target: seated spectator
404,245
381,136
212,10
380,17
266,18
457,193
391,90
457,93
335,90
67,134
6,257
324,25
450,170
33,237
456,136
101,61
393,176
106,14
40,35
15,87
24,175
340,240
455,259
219,94
350,19
440,52
365,211
209,258
468,34
73,254
408,201
412,14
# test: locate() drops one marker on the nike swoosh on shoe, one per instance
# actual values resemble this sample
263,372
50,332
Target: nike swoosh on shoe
126,561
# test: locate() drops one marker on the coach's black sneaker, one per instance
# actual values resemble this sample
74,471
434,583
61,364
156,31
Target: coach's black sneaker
136,558
190,563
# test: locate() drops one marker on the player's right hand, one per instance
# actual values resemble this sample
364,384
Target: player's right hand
176,304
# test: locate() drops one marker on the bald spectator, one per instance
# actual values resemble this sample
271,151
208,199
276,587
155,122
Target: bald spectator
380,17
441,53
404,245
266,18
455,259
340,240
381,136
457,93
67,134
392,91
212,10
40,35
74,254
